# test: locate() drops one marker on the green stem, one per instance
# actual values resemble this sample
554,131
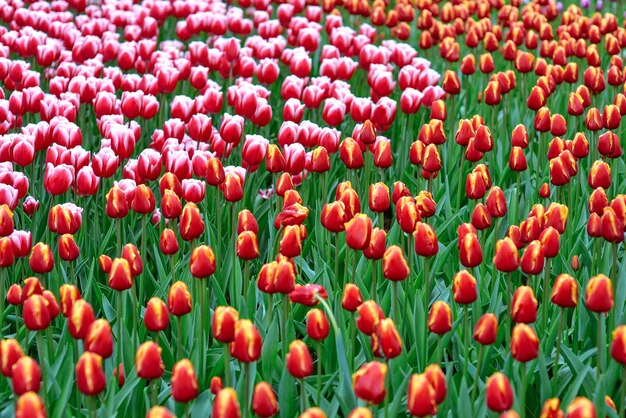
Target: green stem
461,187
623,393
439,348
478,368
302,396
92,406
337,258
133,291
143,252
118,223
283,323
3,280
120,357
179,337
354,260
394,297
522,407
426,282
465,331
155,392
507,315
546,295
352,348
600,346
246,279
42,363
227,371
559,339
374,280
319,372
246,390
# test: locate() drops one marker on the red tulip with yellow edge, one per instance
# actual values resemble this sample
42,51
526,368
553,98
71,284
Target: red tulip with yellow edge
264,402
184,382
552,409
369,382
120,275
351,298
421,397
159,412
313,412
499,393
361,412
99,338
25,376
386,341
10,352
524,305
148,362
464,288
581,408
317,326
131,254
41,260
90,377
30,405
226,405
440,318
358,231
191,223
202,262
68,249
246,345
369,316
156,316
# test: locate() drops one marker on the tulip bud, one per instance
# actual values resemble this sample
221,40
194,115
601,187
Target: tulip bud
264,402
148,362
202,262
168,243
369,382
184,382
291,241
379,200
179,299
41,260
90,377
421,397
599,294
426,243
565,291
499,393
524,343
26,376
226,405
246,345
299,362
317,326
159,412
120,276
157,316
470,252
333,217
369,316
216,385
464,288
314,412
387,339
68,249
30,405
171,207
191,223
395,266
486,329
223,325
351,298
524,305
618,344
307,294
581,408
532,260
35,313
440,318
131,254
117,205
14,295
358,231
99,338
612,226
361,412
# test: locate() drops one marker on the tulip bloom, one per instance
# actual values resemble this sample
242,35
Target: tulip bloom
358,231
524,343
148,361
246,345
226,405
440,318
369,382
184,382
90,377
298,361
464,288
499,393
421,396
395,267
599,294
264,402
26,376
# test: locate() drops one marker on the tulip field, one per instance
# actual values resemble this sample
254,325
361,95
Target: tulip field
312,208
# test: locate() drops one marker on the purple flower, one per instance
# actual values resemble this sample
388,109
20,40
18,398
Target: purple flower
585,3
559,6
599,5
